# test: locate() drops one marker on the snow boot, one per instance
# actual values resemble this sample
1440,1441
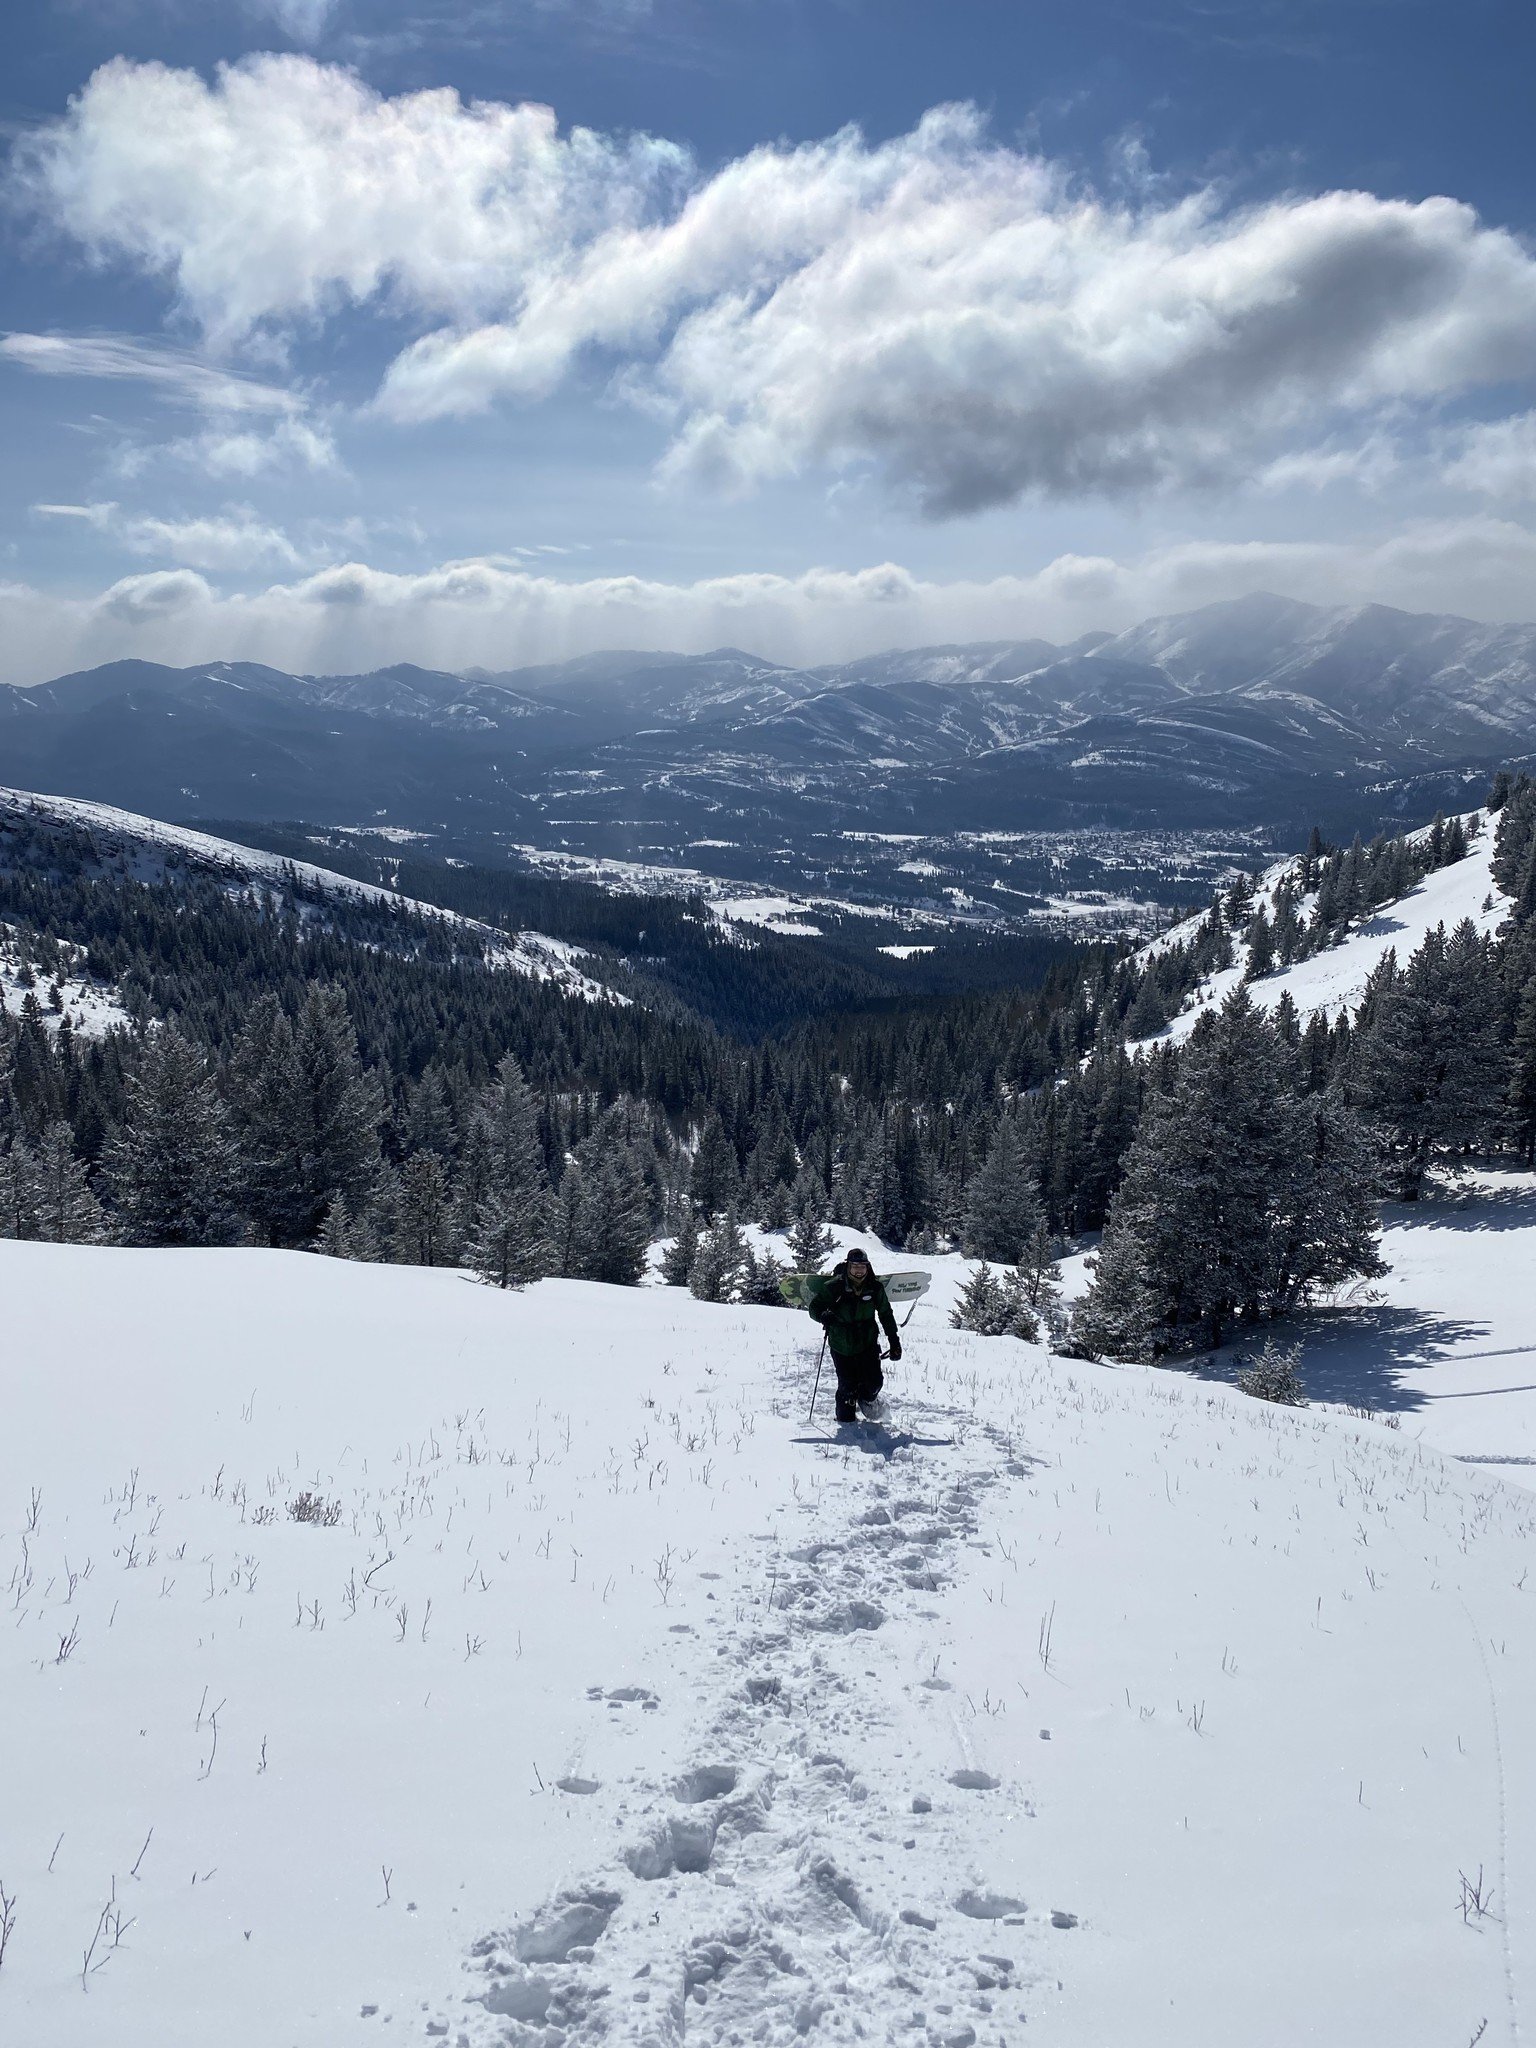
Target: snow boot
847,1409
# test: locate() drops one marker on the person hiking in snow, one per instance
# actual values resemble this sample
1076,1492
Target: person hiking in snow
849,1303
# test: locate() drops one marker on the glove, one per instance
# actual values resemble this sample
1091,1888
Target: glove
895,1347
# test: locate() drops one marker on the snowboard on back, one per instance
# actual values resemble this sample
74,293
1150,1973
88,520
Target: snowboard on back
899,1287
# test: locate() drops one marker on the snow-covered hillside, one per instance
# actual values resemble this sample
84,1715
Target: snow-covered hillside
608,1701
90,1008
1334,980
530,953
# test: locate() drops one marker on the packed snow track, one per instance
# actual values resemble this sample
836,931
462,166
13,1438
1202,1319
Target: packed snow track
390,1659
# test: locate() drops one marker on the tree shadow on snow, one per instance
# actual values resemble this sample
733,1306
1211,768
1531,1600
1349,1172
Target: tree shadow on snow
1477,1209
1355,1357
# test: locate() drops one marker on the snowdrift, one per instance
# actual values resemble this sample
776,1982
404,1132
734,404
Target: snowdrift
601,1698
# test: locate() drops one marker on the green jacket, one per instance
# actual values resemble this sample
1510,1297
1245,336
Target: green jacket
848,1315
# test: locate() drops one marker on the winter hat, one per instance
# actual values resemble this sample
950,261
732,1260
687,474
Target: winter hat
856,1251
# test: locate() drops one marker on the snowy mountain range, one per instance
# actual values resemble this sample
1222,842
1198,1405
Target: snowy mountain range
1258,710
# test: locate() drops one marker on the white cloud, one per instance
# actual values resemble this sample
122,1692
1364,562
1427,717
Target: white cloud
1497,459
288,189
236,539
174,374
226,451
496,614
304,20
964,317
1369,465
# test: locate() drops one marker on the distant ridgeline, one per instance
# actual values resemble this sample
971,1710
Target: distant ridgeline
277,1061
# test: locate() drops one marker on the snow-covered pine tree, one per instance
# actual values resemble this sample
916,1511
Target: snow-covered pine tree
18,1190
979,1306
1274,1374
337,1107
1148,1014
172,1165
1019,1315
1003,1210
1287,926
472,1175
335,1232
760,1280
1111,1086
609,1213
720,1263
1039,1276
1325,1226
428,1124
1430,1066
424,1213
305,1113
677,1260
510,1245
1522,1074
1260,937
261,1087
509,1242
811,1244
67,1209
1240,1197
716,1181
1124,1313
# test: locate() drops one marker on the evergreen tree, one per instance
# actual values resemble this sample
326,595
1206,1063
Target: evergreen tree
423,1233
335,1239
509,1241
1522,1075
172,1165
716,1181
1020,1317
1287,926
336,1108
979,1306
610,1222
1003,1211
1431,1068
760,1281
1241,1196
306,1115
677,1260
720,1264
1148,1014
811,1244
18,1190
510,1245
67,1209
1260,937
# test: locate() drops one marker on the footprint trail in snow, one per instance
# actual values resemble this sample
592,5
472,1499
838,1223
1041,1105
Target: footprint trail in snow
805,1878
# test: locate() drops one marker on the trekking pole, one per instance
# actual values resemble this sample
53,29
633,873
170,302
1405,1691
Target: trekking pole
817,1387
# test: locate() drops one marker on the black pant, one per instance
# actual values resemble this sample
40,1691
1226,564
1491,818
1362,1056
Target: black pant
859,1378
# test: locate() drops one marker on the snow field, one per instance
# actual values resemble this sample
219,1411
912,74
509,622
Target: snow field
1085,1705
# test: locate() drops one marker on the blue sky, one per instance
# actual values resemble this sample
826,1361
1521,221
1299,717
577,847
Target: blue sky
341,333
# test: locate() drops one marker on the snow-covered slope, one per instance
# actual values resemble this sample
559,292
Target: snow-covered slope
1334,981
617,1706
530,953
91,1008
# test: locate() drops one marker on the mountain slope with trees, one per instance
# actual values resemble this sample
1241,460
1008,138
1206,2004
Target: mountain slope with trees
354,1073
